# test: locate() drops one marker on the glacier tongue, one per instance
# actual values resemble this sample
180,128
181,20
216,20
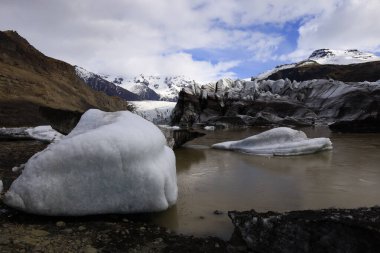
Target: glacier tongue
282,141
110,163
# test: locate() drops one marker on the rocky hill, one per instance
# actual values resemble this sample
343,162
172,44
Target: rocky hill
36,89
343,65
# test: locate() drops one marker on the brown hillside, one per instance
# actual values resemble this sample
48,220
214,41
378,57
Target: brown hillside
36,89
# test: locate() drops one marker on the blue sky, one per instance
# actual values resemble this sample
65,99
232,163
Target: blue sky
249,64
202,39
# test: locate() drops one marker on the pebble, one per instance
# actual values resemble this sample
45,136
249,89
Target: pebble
68,230
201,217
60,224
82,228
217,245
158,240
4,241
89,249
217,212
142,228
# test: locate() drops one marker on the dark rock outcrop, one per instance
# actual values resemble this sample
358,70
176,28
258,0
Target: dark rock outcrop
143,92
327,230
281,102
177,137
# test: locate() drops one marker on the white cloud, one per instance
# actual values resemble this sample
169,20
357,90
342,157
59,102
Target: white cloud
131,37
351,24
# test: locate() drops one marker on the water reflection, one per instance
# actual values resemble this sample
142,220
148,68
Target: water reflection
208,180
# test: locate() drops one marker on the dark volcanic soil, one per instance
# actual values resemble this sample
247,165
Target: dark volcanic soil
21,232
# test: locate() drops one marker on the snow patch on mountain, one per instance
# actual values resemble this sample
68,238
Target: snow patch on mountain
327,56
83,73
341,57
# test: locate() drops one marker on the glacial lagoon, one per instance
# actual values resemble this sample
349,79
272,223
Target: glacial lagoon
346,177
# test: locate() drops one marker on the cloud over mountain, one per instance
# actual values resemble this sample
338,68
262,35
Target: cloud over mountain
161,37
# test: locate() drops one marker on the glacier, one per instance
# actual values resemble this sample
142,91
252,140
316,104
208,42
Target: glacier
111,162
281,141
158,112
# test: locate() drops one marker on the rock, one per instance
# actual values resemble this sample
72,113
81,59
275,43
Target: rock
327,230
4,241
175,138
1,186
367,125
217,212
89,249
81,228
39,233
68,230
60,224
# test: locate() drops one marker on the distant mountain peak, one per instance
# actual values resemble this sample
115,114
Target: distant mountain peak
326,56
153,87
341,57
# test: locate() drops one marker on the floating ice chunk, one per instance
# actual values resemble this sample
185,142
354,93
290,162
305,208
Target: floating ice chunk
210,128
41,133
18,168
110,163
44,133
282,141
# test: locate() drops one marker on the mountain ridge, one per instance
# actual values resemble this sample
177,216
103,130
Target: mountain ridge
329,64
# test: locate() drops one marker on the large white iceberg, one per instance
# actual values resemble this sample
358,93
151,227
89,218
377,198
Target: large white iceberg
110,163
282,141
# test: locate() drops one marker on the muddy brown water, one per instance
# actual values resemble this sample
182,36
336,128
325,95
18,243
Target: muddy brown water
209,180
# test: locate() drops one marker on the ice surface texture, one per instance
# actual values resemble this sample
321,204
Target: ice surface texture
110,163
282,141
44,133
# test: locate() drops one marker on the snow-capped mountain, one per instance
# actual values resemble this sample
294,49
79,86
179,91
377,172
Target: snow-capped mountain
98,83
150,87
341,57
327,56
